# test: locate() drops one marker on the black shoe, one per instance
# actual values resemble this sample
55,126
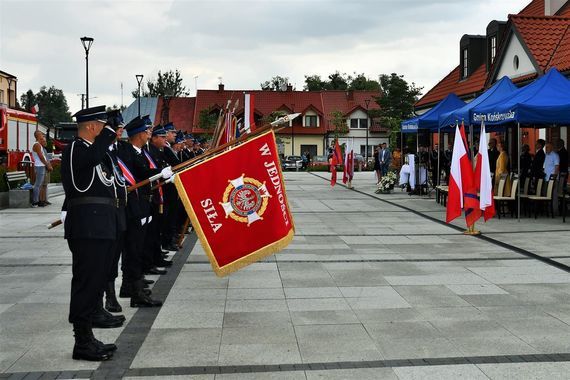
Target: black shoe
163,263
111,302
86,346
171,248
140,299
119,317
105,347
101,320
42,204
91,352
47,203
149,282
155,270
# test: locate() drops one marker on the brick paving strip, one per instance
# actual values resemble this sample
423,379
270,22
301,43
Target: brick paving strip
116,369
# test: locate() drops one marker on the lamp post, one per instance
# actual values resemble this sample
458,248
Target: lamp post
139,81
10,80
367,102
87,42
292,132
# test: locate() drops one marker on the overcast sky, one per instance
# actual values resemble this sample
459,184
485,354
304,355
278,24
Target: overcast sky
243,42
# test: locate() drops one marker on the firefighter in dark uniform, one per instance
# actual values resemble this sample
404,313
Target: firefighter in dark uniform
171,200
111,302
153,252
90,221
137,169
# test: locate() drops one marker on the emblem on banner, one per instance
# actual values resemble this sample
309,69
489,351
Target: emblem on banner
245,199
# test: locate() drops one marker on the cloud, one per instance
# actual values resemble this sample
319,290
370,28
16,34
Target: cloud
244,42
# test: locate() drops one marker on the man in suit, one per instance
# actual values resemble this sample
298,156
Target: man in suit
136,166
537,167
385,157
153,252
563,154
90,221
493,154
171,201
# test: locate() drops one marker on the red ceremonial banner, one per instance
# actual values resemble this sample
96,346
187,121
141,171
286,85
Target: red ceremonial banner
237,203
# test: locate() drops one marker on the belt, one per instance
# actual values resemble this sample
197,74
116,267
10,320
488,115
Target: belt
92,200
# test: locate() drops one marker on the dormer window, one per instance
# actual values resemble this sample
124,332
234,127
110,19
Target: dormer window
493,49
465,64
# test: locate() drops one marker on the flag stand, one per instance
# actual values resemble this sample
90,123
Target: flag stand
471,231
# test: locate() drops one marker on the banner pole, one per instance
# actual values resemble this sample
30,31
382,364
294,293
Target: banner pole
519,172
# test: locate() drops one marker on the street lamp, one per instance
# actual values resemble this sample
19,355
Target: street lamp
139,81
367,102
87,42
292,132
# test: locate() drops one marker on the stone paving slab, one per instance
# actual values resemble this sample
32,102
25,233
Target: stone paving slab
367,289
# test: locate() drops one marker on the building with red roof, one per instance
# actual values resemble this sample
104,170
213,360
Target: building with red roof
312,131
523,48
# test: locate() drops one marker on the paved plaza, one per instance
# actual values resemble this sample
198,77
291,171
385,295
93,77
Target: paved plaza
372,287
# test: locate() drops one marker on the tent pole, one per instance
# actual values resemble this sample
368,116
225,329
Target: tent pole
401,148
438,156
519,171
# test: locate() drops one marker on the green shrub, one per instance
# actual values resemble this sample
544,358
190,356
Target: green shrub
55,175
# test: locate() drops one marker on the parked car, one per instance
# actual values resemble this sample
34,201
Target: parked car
319,161
292,163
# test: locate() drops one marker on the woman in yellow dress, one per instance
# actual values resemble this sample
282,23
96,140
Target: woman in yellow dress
502,168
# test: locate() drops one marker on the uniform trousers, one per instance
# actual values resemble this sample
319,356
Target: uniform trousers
152,250
113,267
133,250
90,262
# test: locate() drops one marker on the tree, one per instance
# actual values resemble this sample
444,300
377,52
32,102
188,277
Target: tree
338,81
207,119
360,82
28,100
277,83
168,83
396,101
338,120
314,83
52,103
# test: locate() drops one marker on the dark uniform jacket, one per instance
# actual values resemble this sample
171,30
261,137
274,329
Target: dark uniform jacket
158,157
90,204
138,205
121,186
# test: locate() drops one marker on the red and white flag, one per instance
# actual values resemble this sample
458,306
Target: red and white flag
483,180
348,161
248,114
461,186
35,109
335,160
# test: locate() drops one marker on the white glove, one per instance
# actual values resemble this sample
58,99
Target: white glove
63,215
150,219
166,172
143,221
171,179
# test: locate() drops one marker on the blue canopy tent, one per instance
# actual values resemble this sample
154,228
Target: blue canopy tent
544,102
430,119
501,90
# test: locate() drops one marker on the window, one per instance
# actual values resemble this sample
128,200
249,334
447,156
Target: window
1,96
516,62
465,64
358,123
493,48
311,121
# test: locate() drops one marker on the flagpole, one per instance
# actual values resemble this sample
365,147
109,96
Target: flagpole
519,172
438,156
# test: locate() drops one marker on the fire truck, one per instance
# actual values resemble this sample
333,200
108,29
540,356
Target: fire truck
63,134
17,136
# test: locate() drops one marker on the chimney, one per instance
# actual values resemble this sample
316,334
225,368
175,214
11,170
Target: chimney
289,87
221,87
350,95
553,6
